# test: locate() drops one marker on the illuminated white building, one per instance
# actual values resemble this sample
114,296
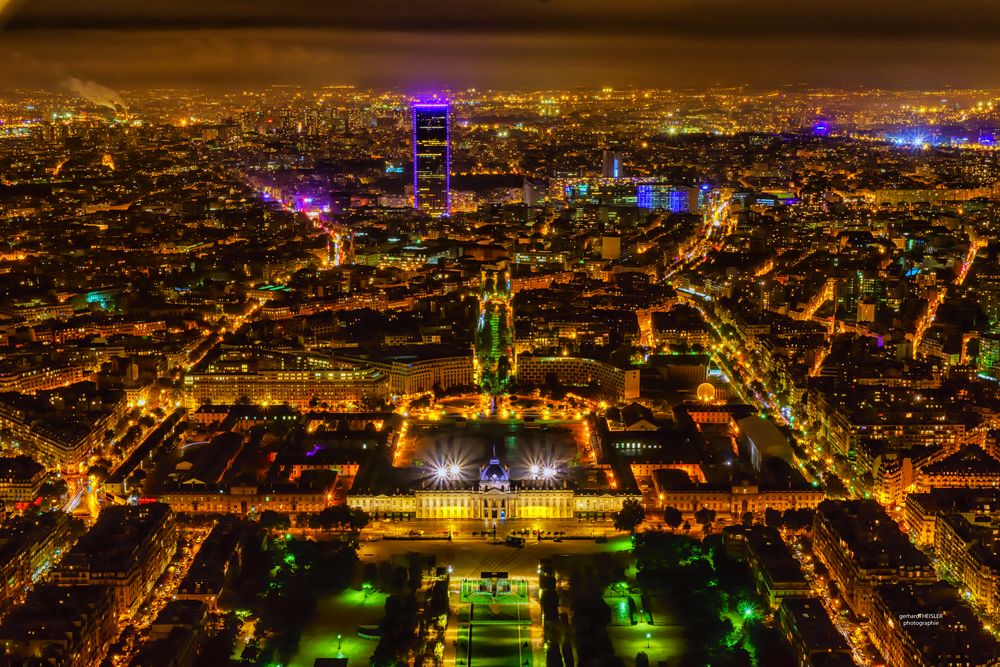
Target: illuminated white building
493,497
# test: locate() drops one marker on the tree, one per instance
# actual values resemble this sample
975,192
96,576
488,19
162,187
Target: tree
134,481
438,605
641,659
772,518
630,515
553,387
567,652
797,519
335,515
747,519
705,517
384,656
735,657
342,516
358,519
271,520
53,488
400,577
672,517
370,575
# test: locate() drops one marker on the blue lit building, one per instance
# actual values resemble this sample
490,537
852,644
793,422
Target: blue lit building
636,192
673,198
612,164
432,157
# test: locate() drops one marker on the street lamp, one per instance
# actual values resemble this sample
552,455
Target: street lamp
648,635
748,610
339,640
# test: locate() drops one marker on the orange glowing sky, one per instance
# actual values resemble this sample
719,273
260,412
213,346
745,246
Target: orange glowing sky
502,43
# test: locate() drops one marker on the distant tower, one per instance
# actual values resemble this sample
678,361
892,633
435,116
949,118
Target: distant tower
432,157
612,167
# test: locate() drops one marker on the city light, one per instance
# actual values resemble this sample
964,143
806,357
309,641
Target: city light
700,324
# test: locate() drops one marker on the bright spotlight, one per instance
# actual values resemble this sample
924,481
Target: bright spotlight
534,469
453,470
548,472
440,472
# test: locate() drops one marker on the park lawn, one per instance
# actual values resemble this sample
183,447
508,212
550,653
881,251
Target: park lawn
341,614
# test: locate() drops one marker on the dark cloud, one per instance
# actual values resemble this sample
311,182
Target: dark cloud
848,19
522,43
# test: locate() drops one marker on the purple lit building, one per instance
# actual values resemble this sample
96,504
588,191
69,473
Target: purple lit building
432,157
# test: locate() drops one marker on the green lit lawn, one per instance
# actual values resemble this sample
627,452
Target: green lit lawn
619,543
620,611
666,642
498,646
341,614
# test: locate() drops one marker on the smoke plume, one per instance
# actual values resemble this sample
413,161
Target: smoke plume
95,93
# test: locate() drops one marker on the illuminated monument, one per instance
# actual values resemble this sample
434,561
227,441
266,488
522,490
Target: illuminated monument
432,157
495,334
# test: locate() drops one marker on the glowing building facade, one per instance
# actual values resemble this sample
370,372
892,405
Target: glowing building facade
432,157
492,496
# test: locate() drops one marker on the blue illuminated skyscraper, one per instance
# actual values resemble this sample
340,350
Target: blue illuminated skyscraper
612,164
432,157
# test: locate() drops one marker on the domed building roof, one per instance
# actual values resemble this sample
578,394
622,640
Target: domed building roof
494,472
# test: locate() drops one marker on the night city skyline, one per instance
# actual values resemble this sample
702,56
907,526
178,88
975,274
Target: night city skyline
537,333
